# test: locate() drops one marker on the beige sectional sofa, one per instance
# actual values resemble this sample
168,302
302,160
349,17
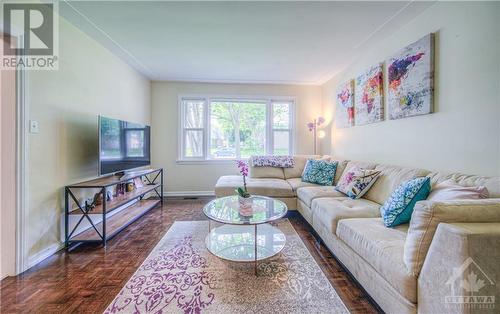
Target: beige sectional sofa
408,269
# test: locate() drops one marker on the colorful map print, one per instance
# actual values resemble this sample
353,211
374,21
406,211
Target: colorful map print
344,108
410,77
368,99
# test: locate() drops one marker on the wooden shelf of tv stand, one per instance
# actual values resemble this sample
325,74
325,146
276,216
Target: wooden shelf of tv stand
118,221
113,180
119,200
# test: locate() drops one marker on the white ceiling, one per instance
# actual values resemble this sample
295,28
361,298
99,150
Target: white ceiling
246,42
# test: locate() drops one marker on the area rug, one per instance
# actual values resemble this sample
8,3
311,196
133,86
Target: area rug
182,276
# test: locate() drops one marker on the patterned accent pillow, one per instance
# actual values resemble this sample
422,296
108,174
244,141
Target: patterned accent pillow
319,171
399,206
273,161
355,182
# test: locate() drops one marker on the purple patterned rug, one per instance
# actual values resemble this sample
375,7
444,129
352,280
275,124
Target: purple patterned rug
181,276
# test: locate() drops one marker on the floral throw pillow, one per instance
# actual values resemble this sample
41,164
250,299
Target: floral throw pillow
399,206
319,171
355,182
273,161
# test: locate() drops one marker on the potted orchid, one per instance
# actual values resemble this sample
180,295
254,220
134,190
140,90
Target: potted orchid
243,195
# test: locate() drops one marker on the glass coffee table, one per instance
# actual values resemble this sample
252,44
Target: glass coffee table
246,234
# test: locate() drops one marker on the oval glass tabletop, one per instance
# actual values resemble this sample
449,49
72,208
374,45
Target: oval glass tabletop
229,211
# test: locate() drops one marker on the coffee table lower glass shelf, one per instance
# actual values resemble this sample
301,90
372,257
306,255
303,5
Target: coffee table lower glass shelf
237,242
247,233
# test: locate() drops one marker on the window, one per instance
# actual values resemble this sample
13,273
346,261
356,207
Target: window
216,128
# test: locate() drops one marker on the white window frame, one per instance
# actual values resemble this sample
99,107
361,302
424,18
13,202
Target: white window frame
183,129
208,99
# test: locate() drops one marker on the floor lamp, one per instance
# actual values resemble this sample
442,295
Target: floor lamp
313,127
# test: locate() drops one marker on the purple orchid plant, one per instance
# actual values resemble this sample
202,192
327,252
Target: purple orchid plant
243,168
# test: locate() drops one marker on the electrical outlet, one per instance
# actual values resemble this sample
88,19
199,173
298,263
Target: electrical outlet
34,127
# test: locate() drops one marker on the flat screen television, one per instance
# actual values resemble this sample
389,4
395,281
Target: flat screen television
123,145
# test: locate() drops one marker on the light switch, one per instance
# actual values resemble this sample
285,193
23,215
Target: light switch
34,128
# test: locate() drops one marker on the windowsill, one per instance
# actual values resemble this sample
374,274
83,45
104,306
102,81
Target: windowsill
207,161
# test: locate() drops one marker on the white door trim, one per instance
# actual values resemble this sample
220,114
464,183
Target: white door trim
22,179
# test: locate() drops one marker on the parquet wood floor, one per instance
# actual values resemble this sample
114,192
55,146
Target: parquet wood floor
87,279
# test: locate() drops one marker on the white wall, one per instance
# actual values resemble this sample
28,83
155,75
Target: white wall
202,177
90,82
464,132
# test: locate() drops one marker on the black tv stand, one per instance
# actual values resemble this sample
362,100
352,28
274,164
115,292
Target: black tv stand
129,206
119,174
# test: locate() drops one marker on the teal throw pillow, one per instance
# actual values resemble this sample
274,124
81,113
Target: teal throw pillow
399,206
319,171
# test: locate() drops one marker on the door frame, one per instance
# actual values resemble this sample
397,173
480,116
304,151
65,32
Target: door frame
22,178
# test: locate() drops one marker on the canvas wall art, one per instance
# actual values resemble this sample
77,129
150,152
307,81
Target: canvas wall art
344,108
410,79
368,96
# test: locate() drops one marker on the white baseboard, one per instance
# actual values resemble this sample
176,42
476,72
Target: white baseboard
188,193
43,254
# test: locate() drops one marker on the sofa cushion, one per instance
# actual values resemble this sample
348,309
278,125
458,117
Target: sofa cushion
307,194
390,178
491,183
399,206
355,182
258,186
266,172
341,165
319,171
297,183
383,249
360,164
282,161
450,190
427,215
300,163
329,211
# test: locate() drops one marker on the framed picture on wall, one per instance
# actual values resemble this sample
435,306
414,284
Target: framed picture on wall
344,105
368,96
410,75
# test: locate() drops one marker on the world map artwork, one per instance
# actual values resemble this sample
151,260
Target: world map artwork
368,100
344,108
410,80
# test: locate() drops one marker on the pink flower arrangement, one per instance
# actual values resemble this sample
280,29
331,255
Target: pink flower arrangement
243,168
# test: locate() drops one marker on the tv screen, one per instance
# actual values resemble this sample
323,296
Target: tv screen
122,145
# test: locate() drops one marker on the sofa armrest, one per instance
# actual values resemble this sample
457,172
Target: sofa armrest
427,215
463,261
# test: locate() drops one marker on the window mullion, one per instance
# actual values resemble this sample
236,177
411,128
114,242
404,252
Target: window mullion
269,128
206,129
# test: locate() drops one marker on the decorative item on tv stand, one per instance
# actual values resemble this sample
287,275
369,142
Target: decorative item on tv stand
244,198
313,127
125,202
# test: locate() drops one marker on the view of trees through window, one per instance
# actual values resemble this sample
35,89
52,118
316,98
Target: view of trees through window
235,129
